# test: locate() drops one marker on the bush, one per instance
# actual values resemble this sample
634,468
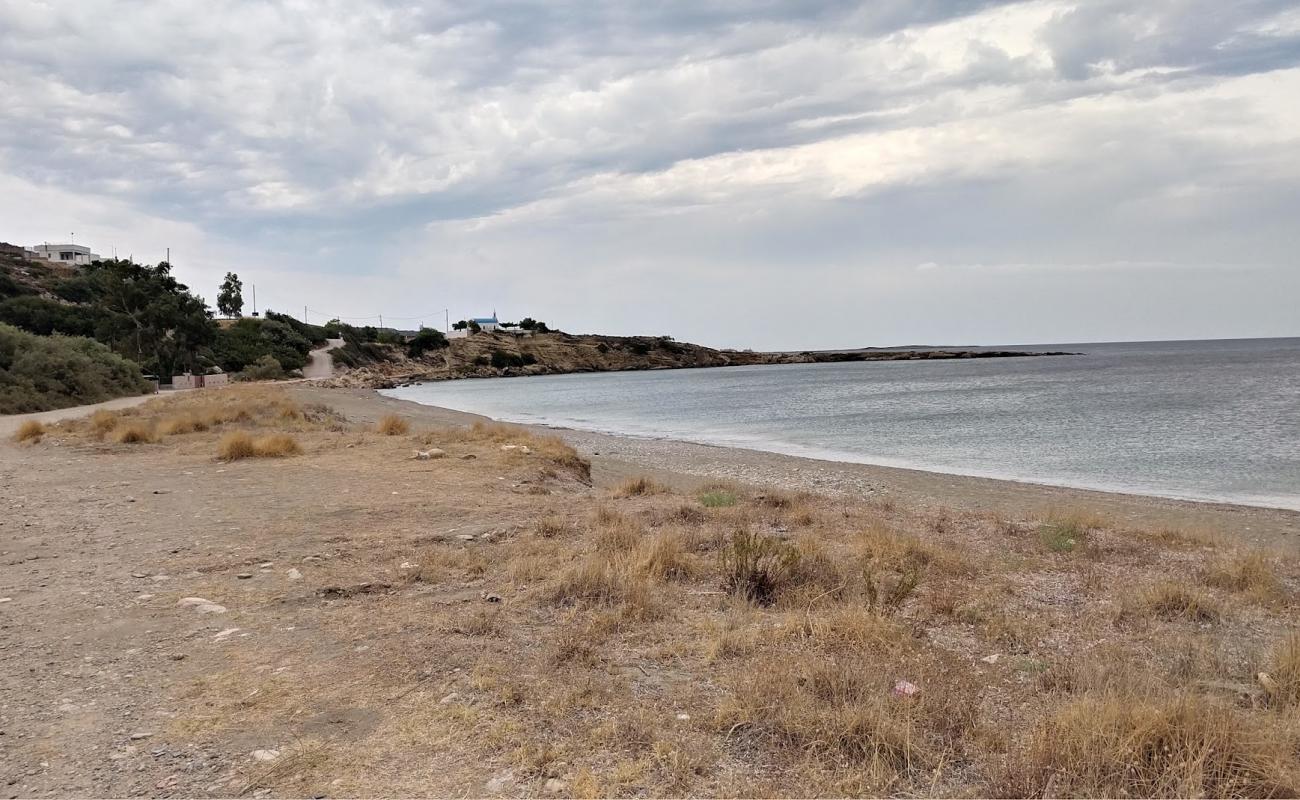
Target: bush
31,430
267,368
393,425
756,566
502,359
46,317
133,433
248,341
637,487
427,339
717,498
38,373
239,444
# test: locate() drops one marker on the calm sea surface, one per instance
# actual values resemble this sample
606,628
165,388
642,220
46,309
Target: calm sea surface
1212,420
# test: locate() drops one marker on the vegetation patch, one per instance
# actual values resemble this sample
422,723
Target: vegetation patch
393,425
29,431
640,487
133,433
718,498
237,445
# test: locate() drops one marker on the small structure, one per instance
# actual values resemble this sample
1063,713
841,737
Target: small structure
189,381
487,323
70,254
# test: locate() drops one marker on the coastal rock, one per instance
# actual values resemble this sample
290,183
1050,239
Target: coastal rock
500,782
294,574
555,786
201,605
265,755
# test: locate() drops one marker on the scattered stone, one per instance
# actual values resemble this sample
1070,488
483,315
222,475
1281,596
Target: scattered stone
145,596
138,575
468,457
202,606
684,717
6,599
294,574
162,491
555,786
243,576
221,637
993,659
451,698
905,689
138,735
407,565
490,597
499,783
265,755
465,537
425,455
266,565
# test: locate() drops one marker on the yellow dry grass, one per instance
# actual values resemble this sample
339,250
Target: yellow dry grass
1182,745
240,444
393,425
30,431
640,487
133,433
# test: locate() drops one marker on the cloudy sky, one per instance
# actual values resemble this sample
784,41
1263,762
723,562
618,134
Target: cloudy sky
749,173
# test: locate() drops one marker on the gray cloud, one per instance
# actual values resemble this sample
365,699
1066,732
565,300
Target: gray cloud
561,152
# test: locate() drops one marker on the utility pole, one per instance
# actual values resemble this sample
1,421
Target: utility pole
254,285
169,256
446,314
304,314
381,322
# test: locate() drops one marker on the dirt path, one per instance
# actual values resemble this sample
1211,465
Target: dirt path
321,363
9,423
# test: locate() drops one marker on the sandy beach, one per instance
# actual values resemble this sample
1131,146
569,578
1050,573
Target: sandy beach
686,465
267,591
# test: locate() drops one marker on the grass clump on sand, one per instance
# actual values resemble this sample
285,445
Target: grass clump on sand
239,444
640,487
1281,679
1063,535
1128,746
393,425
133,433
757,567
29,431
181,424
718,498
1251,574
1170,600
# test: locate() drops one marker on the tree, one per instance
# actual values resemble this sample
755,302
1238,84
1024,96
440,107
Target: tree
230,300
426,339
460,326
148,316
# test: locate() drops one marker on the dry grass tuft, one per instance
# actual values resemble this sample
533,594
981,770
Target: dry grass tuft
616,533
1169,600
842,714
640,487
757,567
1251,574
240,444
236,445
1065,534
551,526
603,580
664,557
29,431
393,425
276,445
102,422
183,423
133,433
1129,746
1281,680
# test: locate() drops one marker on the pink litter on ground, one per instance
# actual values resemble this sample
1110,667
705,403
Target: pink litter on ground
906,689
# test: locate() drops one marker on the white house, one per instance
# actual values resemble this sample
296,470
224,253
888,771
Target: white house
72,254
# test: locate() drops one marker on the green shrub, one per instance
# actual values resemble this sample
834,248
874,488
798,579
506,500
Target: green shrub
718,498
247,341
45,317
267,368
427,339
38,373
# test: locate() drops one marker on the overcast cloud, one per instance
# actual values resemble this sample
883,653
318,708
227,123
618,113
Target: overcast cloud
741,173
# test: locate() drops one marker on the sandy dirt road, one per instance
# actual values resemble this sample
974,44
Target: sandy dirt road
321,363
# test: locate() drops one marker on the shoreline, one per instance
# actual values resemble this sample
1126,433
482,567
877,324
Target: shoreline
687,465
